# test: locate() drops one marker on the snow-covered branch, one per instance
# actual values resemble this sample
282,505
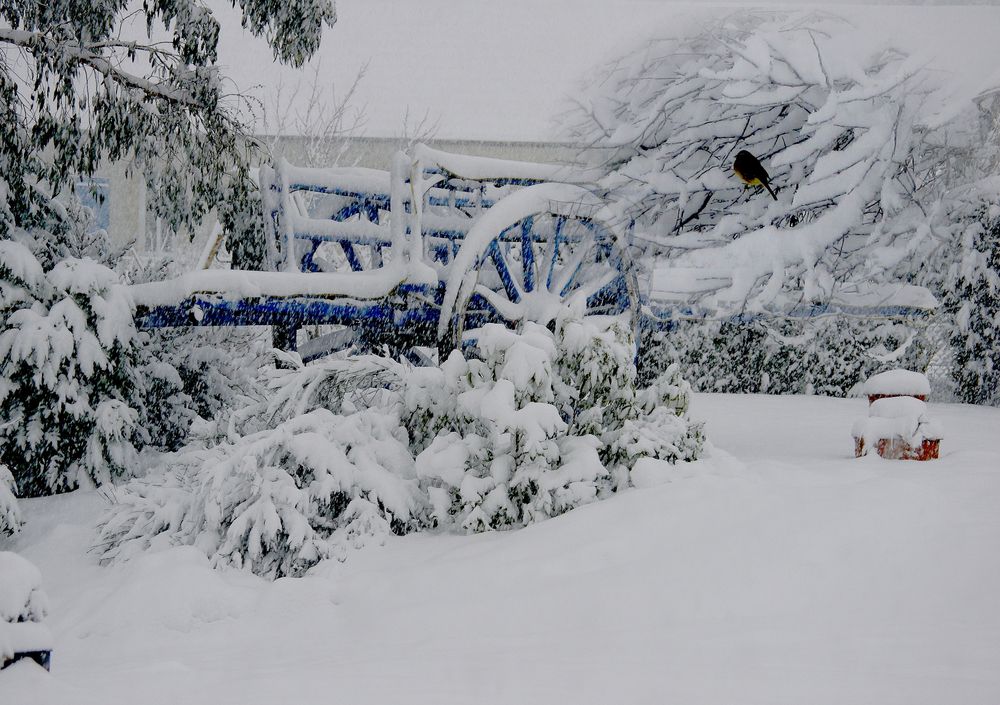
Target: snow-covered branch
92,57
836,133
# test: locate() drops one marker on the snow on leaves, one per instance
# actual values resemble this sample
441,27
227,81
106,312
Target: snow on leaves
64,373
10,513
278,501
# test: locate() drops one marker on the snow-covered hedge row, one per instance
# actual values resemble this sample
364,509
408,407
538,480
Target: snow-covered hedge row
534,424
972,295
828,356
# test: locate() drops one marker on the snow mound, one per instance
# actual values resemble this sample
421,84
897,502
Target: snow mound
22,607
21,596
898,407
898,382
897,417
10,514
175,589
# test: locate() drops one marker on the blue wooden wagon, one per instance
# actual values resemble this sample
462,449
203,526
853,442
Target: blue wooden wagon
441,244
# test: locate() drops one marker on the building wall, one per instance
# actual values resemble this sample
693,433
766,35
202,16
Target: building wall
376,152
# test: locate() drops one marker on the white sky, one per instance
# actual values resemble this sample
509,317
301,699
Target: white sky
502,69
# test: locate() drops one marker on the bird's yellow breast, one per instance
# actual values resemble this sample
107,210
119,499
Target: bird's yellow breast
753,181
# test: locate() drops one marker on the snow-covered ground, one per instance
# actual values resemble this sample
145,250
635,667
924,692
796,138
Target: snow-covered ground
781,570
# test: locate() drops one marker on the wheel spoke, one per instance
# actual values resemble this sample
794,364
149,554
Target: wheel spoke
503,306
527,254
608,281
554,261
352,256
552,253
500,262
592,290
569,272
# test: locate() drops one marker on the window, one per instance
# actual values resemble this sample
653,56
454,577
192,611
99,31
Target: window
95,196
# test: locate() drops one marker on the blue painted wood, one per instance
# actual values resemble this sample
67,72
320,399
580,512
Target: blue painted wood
352,255
505,276
306,264
527,254
557,239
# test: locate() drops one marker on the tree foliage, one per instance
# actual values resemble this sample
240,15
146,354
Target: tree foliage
66,373
974,299
84,81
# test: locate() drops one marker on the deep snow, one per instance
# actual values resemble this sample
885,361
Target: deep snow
781,570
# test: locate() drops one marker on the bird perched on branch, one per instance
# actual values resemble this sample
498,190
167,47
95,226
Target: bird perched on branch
751,172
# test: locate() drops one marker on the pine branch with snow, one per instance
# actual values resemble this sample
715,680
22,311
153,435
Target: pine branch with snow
67,349
10,513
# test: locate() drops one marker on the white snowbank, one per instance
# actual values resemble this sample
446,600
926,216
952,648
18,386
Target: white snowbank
898,382
21,596
800,575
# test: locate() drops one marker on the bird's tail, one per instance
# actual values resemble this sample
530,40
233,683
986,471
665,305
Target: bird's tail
767,185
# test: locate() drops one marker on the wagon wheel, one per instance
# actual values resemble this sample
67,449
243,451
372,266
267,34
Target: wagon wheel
541,265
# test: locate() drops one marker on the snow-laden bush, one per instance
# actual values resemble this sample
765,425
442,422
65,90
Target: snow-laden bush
66,375
539,423
278,501
596,373
190,375
661,434
667,389
660,428
10,513
293,484
534,424
493,458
